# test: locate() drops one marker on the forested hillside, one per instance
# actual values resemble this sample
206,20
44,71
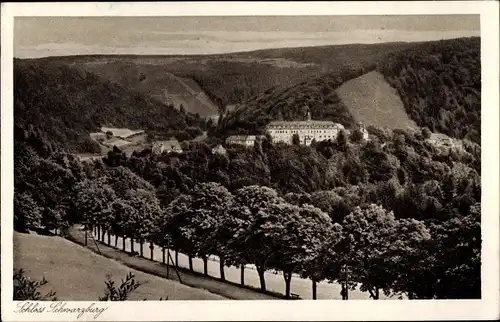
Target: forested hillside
438,82
292,103
63,105
440,85
418,206
231,78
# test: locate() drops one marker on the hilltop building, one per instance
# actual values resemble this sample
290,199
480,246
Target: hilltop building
362,129
168,146
245,140
307,131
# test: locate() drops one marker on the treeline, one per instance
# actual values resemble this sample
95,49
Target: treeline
64,104
392,207
440,85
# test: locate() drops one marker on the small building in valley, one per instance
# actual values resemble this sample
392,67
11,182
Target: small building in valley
122,133
168,146
244,140
443,141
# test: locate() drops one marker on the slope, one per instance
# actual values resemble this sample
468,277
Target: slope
66,103
231,78
371,100
157,82
440,85
77,274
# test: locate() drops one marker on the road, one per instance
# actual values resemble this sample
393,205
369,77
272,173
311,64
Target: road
274,281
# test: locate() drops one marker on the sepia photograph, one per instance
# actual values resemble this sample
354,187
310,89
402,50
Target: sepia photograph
245,157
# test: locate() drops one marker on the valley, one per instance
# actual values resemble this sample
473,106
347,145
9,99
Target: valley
353,165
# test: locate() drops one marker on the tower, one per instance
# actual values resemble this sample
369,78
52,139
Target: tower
308,114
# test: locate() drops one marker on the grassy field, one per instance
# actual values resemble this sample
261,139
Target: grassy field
373,101
76,273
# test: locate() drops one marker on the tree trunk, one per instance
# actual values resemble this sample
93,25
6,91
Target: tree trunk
315,287
262,278
85,237
109,239
205,265
103,234
176,258
343,292
116,240
141,249
151,248
221,267
131,245
242,274
123,242
288,277
163,255
190,262
98,232
374,293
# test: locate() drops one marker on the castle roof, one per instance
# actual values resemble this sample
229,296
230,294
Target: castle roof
304,123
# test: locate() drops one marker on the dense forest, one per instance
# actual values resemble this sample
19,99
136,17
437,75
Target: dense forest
419,207
440,85
64,104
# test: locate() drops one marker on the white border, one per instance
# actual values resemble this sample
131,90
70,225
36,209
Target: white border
487,308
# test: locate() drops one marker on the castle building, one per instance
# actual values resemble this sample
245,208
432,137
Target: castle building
307,131
245,140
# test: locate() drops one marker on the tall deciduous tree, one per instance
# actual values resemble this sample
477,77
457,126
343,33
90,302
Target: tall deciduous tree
253,227
370,233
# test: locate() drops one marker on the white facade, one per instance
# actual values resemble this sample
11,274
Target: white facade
283,131
245,140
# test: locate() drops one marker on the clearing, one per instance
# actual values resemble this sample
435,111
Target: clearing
371,100
78,274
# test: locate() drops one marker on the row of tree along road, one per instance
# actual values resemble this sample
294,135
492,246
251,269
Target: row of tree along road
255,226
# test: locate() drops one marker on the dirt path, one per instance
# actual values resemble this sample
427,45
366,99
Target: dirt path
213,285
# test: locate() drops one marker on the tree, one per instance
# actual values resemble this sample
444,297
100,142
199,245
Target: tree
251,238
357,136
298,235
94,198
145,209
426,133
452,269
203,221
295,139
27,213
326,263
342,140
376,247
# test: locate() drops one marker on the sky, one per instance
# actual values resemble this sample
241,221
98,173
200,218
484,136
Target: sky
59,36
